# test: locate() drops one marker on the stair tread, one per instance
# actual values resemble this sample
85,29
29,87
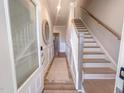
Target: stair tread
60,91
99,86
89,41
80,26
92,52
90,44
87,34
98,71
88,37
78,22
92,39
91,47
81,29
53,82
91,60
60,86
77,26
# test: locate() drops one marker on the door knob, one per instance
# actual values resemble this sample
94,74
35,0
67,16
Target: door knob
122,73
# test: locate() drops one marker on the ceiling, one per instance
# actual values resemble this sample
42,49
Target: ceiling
59,17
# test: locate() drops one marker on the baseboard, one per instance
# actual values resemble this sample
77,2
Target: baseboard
48,67
105,51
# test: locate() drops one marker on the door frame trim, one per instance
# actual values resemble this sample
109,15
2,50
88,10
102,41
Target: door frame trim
8,23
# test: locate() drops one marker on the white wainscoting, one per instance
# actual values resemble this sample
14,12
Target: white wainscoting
33,84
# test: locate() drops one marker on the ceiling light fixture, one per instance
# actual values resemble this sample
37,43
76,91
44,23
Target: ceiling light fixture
58,7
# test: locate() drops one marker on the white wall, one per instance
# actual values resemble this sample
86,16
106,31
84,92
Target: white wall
7,79
45,13
119,82
48,50
61,30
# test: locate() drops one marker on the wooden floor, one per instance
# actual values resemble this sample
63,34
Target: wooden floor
99,86
99,71
58,79
59,71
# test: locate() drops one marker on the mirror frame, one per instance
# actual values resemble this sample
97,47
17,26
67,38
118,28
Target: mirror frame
45,31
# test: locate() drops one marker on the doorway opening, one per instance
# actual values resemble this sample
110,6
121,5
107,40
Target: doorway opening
56,44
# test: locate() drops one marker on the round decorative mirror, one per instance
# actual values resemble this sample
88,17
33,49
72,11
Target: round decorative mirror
46,31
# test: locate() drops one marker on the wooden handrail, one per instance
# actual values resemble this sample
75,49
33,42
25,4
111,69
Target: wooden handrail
103,24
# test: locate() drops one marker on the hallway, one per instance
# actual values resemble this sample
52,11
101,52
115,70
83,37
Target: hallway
58,78
59,72
62,46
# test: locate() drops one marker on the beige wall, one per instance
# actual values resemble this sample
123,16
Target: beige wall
108,11
79,4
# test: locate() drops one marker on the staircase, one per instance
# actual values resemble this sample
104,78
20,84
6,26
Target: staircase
96,66
59,87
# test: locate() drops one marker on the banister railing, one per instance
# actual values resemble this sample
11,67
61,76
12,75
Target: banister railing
74,56
102,24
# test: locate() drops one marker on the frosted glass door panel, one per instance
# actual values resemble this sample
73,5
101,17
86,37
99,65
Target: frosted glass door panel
23,27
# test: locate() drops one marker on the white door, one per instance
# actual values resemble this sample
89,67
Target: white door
119,88
23,40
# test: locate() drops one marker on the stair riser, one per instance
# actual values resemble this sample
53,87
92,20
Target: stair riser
96,65
88,35
99,76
